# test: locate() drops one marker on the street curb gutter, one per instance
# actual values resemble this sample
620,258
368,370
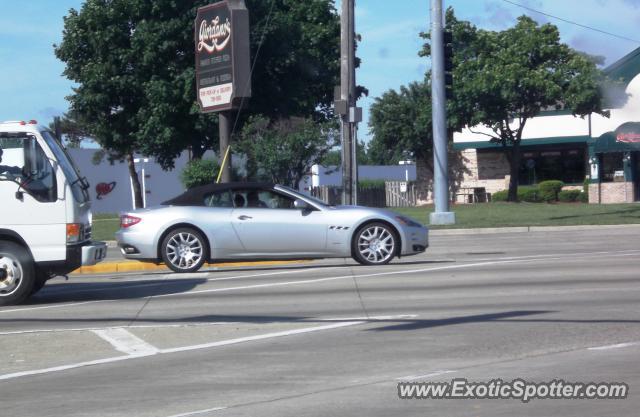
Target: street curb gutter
528,229
135,266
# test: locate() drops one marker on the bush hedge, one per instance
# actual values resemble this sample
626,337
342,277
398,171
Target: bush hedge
549,190
569,196
199,172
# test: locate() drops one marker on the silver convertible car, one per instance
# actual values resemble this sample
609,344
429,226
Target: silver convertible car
254,221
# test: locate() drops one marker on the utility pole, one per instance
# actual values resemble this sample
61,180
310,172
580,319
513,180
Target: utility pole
346,104
442,215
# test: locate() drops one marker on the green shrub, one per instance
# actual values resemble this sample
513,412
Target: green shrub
529,194
371,183
199,172
549,190
569,196
500,196
585,190
583,197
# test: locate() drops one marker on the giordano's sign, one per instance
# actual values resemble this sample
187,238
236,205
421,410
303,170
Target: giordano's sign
223,75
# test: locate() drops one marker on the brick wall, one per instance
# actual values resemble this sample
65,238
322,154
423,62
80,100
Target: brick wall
611,193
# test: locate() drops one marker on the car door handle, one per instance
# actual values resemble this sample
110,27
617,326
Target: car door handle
243,217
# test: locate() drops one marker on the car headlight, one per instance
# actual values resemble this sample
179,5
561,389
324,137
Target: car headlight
407,221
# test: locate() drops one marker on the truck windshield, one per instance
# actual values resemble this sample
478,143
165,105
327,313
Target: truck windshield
79,185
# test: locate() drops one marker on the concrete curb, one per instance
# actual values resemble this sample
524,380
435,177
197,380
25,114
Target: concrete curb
528,229
135,266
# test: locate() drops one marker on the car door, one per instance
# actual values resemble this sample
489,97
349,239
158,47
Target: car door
270,225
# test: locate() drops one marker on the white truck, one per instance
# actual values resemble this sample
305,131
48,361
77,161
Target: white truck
45,212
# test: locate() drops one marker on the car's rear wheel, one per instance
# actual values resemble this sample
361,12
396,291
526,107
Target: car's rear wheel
374,244
183,250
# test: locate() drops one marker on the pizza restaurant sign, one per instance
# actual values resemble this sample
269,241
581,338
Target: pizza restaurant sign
628,137
222,55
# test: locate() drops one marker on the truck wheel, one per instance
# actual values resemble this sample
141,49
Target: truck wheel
17,273
41,279
183,250
374,244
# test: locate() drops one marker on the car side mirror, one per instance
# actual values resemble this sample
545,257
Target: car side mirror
301,204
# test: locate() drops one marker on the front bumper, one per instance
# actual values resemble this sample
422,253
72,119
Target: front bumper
416,240
93,253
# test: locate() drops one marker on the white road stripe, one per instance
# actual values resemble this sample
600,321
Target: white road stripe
426,376
261,337
195,413
616,346
126,342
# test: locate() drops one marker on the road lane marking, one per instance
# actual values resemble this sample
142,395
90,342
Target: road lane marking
616,346
426,376
202,324
126,342
261,337
195,413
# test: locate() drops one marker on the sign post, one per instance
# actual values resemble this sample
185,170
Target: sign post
223,70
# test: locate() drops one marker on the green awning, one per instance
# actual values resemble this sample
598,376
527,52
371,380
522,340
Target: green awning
460,146
625,138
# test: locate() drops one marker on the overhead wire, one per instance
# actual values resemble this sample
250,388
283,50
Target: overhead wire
571,22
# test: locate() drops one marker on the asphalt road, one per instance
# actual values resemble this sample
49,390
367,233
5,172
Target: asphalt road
332,338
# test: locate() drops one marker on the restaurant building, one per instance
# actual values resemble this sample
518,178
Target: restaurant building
559,146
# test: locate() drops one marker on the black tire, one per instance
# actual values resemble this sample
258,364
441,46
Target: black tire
374,243
17,273
184,250
41,279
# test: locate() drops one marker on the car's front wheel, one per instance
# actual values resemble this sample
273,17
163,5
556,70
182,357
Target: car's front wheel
374,244
183,250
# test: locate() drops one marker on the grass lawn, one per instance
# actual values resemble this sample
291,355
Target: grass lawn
531,214
480,215
105,226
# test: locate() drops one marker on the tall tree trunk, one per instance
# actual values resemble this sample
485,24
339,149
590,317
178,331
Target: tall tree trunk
137,189
514,170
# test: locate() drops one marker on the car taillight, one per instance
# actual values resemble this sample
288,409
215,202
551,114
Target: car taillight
73,232
128,221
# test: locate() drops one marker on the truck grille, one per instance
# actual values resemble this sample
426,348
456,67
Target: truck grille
86,232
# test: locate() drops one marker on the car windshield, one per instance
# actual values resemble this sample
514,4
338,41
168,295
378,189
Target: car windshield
314,200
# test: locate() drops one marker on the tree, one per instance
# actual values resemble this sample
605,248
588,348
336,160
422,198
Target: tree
133,63
503,79
334,156
400,123
284,151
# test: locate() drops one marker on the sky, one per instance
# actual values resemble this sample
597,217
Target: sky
32,85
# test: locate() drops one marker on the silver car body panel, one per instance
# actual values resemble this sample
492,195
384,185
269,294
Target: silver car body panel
266,233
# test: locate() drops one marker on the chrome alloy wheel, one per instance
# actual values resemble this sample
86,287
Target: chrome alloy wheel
184,250
376,244
11,274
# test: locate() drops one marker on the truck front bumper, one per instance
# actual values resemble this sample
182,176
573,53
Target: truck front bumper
93,253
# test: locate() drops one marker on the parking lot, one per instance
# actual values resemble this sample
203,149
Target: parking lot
332,337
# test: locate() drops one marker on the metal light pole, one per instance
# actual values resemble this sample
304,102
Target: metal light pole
346,106
442,215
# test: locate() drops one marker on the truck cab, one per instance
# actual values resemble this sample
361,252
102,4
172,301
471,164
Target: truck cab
45,212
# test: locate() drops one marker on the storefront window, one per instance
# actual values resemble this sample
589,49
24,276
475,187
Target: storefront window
612,167
566,165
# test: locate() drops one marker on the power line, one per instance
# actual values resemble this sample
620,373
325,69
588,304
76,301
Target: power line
571,22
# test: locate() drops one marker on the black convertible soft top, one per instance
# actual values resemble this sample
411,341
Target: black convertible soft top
195,196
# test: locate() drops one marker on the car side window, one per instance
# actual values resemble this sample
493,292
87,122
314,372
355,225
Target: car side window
256,198
218,199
